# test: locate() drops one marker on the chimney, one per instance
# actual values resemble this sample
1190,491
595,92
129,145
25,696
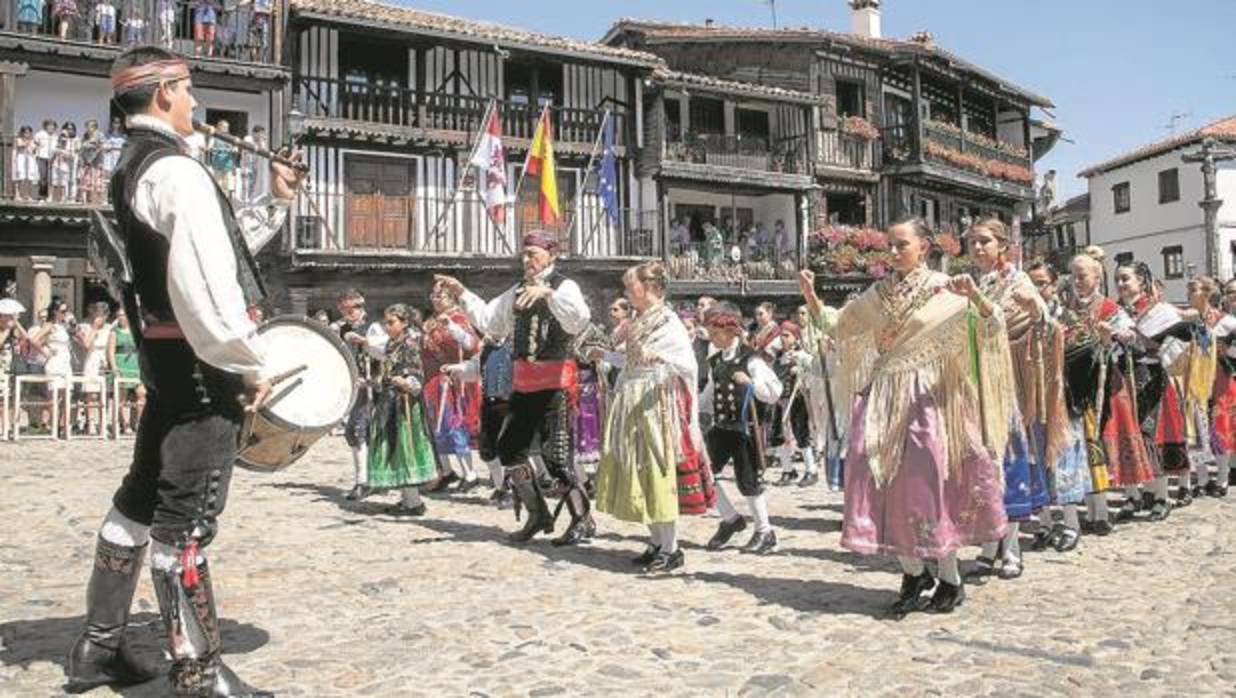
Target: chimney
865,18
708,22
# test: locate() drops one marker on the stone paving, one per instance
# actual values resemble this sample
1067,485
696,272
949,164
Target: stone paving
324,597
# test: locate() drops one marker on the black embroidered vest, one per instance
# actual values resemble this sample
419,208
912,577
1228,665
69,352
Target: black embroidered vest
147,249
538,335
728,396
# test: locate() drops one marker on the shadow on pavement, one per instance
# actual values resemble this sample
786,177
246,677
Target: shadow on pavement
808,595
812,524
26,642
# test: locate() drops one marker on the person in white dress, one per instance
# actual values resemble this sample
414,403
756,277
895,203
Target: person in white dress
94,338
56,338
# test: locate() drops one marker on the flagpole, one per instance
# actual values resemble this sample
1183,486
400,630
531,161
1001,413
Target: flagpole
579,195
463,174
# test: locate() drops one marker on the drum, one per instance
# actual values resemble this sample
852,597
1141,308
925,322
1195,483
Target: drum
313,392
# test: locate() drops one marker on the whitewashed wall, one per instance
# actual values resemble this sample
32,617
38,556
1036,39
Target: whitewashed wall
1148,226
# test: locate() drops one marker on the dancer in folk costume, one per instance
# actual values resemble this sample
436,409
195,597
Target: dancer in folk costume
1149,351
1038,424
367,342
593,387
766,339
792,427
920,481
452,406
1223,413
400,452
739,380
1199,382
652,465
1069,475
542,314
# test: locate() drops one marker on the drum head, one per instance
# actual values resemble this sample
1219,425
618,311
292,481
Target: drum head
319,395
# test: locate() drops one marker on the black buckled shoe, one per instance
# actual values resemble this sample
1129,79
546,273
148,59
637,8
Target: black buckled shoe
1067,540
645,558
1161,510
666,562
983,567
1214,489
725,532
1102,527
947,597
761,543
101,656
1184,496
788,477
358,493
1042,539
909,599
809,480
1128,509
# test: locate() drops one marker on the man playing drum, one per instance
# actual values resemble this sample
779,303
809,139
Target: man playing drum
542,314
193,278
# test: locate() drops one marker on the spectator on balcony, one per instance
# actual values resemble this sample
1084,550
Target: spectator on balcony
44,150
784,242
729,230
259,30
714,245
90,169
105,21
64,11
30,15
165,15
205,18
25,165
134,23
222,158
64,165
112,145
680,236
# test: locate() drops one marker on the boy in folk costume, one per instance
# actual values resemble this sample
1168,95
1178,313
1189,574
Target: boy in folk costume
367,341
791,427
738,379
542,314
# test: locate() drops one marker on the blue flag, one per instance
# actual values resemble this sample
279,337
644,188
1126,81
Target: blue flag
607,180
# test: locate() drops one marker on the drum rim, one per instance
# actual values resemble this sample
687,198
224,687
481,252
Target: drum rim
324,331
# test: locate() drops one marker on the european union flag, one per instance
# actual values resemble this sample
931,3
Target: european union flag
607,180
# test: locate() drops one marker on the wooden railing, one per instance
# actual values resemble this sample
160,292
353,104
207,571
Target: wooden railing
240,34
837,149
787,155
951,137
396,105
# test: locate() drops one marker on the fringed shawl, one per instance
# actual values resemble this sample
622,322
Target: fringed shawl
1037,349
896,339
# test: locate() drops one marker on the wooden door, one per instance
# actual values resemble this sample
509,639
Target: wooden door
381,202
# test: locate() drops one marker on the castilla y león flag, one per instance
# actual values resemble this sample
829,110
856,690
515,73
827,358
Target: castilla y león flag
541,162
489,158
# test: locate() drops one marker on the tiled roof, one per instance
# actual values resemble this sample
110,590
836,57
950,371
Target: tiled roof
659,31
382,14
708,82
1224,130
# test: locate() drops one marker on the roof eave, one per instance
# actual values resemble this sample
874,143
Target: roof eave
651,62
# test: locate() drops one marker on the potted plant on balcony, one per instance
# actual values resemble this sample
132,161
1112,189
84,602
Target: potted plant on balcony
849,252
859,128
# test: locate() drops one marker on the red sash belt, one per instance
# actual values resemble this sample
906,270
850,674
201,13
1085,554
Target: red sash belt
163,330
535,376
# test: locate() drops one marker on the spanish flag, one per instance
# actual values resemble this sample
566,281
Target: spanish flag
541,162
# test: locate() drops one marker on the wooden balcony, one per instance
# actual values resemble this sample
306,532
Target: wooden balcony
952,155
391,105
844,155
785,155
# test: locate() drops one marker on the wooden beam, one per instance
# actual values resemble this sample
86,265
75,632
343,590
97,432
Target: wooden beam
918,113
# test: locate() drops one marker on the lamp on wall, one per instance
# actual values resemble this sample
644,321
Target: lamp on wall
296,125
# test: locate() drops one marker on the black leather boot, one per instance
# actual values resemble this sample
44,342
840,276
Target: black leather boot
188,609
101,657
909,598
527,492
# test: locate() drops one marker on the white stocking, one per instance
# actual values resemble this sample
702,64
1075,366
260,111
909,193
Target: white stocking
1224,461
465,465
496,474
759,511
1202,468
1070,517
809,465
1159,487
1012,543
668,537
360,465
911,565
119,529
410,497
725,506
949,571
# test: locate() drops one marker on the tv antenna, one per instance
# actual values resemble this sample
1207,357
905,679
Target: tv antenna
1175,118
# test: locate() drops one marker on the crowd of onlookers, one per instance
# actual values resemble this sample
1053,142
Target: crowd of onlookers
731,243
237,29
79,363
56,164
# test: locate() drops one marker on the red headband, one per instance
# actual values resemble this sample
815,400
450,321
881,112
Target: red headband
724,319
542,239
153,73
792,328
